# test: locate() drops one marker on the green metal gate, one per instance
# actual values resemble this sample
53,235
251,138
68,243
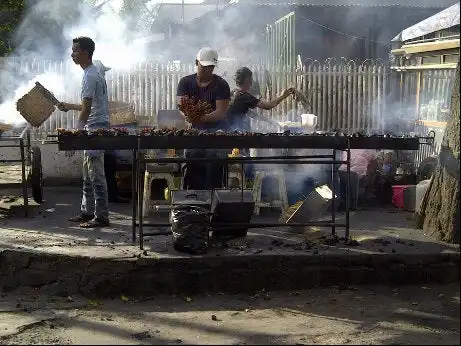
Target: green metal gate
280,69
280,43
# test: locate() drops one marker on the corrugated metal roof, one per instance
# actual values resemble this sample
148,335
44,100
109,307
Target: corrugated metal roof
352,3
443,20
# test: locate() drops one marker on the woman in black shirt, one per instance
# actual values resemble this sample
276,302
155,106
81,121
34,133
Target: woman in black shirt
242,101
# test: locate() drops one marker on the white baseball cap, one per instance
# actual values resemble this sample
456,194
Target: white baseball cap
207,57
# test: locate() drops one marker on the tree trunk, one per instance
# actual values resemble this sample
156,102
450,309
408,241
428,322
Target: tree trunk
439,215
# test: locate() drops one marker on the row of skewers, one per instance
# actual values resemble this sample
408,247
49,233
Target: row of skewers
99,132
195,132
193,110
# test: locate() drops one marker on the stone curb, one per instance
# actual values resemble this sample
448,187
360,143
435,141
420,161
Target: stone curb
148,276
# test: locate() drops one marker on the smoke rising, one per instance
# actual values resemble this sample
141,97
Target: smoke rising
48,26
45,36
8,112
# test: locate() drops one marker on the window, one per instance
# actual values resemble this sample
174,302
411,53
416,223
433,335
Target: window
430,36
430,60
453,31
454,58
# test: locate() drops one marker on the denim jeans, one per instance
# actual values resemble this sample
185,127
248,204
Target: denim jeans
204,175
95,198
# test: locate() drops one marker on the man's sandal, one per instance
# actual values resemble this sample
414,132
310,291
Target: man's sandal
95,223
81,218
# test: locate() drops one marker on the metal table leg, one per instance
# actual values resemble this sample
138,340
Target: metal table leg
333,192
134,197
140,203
24,178
242,182
29,149
348,186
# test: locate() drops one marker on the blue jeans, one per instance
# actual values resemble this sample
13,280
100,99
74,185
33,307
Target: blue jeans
95,197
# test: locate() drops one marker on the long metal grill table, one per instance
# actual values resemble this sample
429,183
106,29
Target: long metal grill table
245,141
332,142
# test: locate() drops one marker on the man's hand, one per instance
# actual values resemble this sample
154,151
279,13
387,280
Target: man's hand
287,92
218,114
192,120
184,115
62,106
80,125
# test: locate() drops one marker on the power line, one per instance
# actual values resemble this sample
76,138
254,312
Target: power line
343,33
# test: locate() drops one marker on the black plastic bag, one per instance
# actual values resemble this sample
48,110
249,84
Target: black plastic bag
190,226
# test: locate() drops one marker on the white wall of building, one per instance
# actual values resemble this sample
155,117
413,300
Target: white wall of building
55,163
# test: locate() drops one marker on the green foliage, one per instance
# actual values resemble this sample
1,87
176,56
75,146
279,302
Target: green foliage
10,16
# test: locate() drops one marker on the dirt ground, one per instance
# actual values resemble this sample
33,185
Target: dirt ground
346,315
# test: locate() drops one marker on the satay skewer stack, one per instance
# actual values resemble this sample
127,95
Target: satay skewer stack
194,110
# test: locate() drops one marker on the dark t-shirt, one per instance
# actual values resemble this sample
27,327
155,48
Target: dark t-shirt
255,88
239,105
218,89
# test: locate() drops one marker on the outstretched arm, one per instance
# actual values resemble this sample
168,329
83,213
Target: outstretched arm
264,104
84,109
88,90
64,106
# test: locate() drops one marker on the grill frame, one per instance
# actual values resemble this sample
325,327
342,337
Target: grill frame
132,142
137,143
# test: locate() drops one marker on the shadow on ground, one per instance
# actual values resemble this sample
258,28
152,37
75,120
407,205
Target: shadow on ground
336,315
377,231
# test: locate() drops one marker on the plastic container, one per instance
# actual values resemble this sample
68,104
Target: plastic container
421,189
309,120
409,197
398,197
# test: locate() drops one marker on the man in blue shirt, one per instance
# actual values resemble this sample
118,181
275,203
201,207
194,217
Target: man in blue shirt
110,156
94,114
205,86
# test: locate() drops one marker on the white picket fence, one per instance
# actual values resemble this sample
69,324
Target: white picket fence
345,95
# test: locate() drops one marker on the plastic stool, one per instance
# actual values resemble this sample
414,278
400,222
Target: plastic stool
235,173
282,202
155,171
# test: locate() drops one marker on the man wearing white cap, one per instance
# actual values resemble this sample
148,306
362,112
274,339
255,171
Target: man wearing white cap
205,86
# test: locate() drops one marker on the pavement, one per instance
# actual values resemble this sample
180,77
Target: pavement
377,315
48,231
45,250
